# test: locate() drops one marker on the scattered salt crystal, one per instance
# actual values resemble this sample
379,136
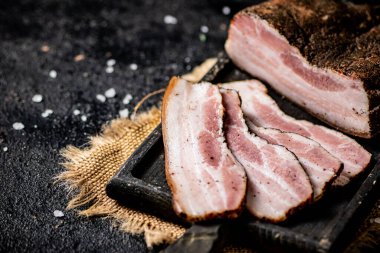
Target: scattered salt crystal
35,126
110,93
226,10
45,48
377,220
127,99
204,29
58,214
83,118
374,182
202,37
188,67
101,98
170,20
5,149
187,59
79,57
111,62
46,113
53,73
133,66
109,69
85,74
18,126
124,113
76,112
37,98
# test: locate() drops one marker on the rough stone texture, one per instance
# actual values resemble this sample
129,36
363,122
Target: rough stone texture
330,34
127,31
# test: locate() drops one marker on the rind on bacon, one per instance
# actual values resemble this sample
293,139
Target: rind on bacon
277,183
205,179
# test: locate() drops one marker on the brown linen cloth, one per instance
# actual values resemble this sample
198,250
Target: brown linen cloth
88,171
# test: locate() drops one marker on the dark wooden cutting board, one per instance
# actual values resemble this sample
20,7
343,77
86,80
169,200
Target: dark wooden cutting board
322,227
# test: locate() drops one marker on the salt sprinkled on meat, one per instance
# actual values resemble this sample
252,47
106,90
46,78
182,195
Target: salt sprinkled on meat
53,74
202,37
111,62
226,10
5,149
377,220
35,126
83,118
18,126
109,69
133,66
187,59
37,98
58,214
110,93
204,29
124,113
76,112
46,113
101,98
170,20
127,99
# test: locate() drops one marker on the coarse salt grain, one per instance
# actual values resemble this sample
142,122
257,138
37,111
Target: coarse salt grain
101,98
133,66
53,74
170,20
204,29
111,62
202,37
83,118
110,93
76,112
226,10
127,99
58,214
47,113
187,59
5,149
124,113
37,98
35,126
18,126
377,220
109,69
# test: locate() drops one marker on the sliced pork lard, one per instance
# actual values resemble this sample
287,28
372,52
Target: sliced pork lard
320,165
277,183
205,179
263,111
323,55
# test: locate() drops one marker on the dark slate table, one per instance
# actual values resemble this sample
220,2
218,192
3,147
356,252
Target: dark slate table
131,32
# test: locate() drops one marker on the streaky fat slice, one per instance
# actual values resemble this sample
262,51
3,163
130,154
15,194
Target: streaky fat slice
277,183
323,55
263,111
320,165
205,179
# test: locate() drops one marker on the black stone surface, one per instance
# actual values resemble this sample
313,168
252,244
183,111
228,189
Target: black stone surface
127,31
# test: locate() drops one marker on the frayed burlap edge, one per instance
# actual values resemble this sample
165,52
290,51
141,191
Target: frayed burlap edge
88,171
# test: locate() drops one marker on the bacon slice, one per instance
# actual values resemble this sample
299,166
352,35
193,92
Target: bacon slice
277,183
205,179
320,165
263,111
321,54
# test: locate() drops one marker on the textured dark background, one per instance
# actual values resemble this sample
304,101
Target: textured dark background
127,31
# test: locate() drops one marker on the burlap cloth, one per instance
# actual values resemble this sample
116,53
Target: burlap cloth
88,170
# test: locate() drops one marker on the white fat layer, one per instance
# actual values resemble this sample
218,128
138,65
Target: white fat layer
270,203
347,150
319,174
184,121
347,109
